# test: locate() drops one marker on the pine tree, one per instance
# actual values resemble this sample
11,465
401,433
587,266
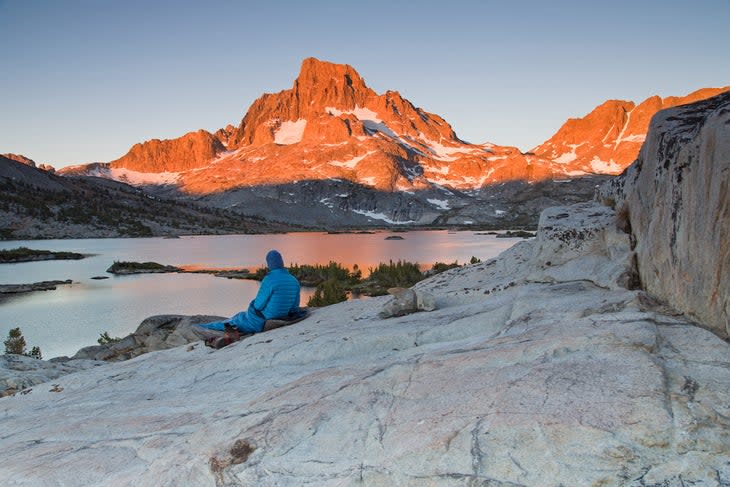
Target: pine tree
328,292
35,352
15,344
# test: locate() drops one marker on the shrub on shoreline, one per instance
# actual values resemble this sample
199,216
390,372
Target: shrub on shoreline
15,345
328,292
314,275
332,281
393,274
106,339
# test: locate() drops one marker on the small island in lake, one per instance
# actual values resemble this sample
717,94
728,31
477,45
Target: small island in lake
24,254
124,268
27,288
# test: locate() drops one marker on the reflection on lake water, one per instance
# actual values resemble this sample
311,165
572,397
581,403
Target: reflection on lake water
62,321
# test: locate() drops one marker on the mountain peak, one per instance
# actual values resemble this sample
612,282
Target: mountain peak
314,70
192,150
20,158
321,84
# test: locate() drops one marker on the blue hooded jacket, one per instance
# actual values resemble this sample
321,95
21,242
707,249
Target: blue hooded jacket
278,295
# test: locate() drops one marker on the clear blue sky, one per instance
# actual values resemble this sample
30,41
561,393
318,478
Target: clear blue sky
83,81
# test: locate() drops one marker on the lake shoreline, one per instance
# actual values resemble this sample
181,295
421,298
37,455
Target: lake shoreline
71,317
348,231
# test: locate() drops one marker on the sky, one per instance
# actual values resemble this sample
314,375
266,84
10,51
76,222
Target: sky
84,80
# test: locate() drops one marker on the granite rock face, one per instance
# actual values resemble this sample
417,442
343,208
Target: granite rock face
583,242
191,151
155,333
675,200
517,378
19,373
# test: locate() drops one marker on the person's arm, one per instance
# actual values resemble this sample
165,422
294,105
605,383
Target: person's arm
295,306
264,294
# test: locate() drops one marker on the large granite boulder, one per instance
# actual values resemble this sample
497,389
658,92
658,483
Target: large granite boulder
405,301
583,242
675,200
154,333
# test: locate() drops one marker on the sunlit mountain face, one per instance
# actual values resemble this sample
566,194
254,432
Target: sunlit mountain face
366,156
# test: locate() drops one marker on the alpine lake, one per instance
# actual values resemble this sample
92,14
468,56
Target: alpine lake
72,316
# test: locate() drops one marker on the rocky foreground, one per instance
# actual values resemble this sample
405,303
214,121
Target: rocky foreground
537,368
548,366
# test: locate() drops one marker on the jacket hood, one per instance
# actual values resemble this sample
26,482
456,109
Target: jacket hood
274,260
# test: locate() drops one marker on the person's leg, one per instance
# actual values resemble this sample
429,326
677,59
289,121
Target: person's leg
204,332
210,330
214,325
243,324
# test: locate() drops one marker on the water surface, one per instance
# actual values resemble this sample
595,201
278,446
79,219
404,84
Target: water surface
73,316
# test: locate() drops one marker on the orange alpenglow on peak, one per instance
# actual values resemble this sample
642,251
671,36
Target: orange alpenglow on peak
322,91
192,150
331,125
20,158
608,139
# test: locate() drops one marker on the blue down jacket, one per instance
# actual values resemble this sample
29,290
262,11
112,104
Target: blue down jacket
278,296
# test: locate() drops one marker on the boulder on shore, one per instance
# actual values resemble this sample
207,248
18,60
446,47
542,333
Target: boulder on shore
674,201
154,333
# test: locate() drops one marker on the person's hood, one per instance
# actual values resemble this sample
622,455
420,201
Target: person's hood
274,260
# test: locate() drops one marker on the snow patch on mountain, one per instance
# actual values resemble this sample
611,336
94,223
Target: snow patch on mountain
603,167
368,181
381,216
633,138
327,202
222,156
440,204
443,152
134,177
351,163
623,129
568,157
361,113
290,132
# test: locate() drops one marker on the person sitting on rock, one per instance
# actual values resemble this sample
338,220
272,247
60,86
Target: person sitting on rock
277,298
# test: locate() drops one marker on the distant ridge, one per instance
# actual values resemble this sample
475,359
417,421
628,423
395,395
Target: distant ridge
608,139
331,126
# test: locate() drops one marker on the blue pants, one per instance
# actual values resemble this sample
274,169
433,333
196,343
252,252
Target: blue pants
239,320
